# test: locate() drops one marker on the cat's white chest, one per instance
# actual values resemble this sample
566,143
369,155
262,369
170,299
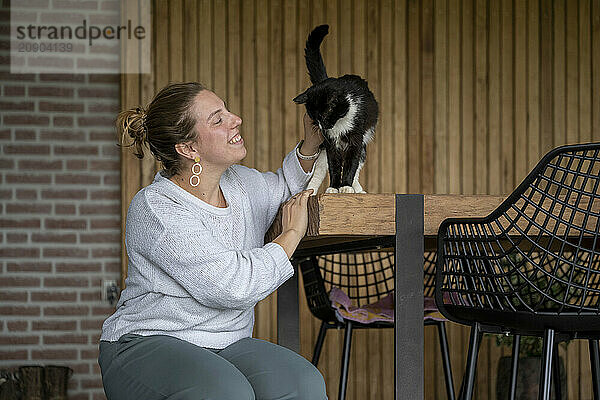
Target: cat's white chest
343,125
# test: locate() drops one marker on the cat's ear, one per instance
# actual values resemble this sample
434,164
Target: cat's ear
301,98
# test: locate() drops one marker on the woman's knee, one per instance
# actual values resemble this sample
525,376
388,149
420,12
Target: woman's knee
311,384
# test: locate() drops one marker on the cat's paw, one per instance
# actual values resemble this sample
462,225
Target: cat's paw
331,190
346,189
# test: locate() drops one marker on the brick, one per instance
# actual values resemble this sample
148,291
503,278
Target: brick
53,325
112,108
19,223
111,150
27,194
40,165
64,209
16,238
7,164
16,326
14,90
19,252
13,296
100,237
51,223
50,91
6,194
95,121
89,354
6,75
17,281
105,223
39,266
25,120
78,267
98,93
86,209
60,107
115,252
96,295
91,383
16,105
20,311
76,150
112,267
104,136
54,296
53,238
66,310
99,396
105,78
13,355
71,135
106,165
75,4
27,149
62,77
58,354
54,282
65,339
62,121
77,164
74,194
24,178
25,134
70,252
77,179
82,368
18,340
112,179
28,208
103,310
92,325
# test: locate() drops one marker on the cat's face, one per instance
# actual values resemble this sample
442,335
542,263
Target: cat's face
324,105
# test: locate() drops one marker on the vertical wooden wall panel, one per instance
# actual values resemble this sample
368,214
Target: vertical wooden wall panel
472,93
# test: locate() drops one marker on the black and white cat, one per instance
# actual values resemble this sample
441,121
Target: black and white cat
346,112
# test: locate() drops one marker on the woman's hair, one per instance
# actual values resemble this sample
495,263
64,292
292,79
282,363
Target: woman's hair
166,122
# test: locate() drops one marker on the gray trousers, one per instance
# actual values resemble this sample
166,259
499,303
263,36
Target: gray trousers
167,368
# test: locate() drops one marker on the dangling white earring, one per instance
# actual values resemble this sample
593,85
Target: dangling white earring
196,171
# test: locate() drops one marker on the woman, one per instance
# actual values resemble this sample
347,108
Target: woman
198,263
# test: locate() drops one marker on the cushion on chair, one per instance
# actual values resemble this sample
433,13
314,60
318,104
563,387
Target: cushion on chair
382,310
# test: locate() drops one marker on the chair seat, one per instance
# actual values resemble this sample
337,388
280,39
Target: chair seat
380,311
586,325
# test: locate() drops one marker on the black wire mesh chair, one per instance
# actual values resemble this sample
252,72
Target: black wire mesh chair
532,267
365,278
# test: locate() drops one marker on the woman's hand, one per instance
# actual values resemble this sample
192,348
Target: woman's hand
313,137
294,221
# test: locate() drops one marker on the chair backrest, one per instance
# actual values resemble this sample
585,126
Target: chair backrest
365,277
539,251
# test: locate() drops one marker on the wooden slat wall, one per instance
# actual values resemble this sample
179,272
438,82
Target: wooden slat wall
471,92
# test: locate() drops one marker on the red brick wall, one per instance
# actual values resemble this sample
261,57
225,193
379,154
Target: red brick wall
59,217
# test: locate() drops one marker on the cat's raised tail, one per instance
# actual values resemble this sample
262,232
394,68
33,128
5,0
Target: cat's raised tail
312,54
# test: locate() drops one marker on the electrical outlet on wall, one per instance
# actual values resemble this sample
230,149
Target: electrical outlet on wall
110,291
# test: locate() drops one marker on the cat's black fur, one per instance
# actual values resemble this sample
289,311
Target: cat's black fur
328,101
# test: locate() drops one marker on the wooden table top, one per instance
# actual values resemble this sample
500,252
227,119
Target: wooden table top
334,217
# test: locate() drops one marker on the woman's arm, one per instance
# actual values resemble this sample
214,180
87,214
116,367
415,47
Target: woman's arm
312,140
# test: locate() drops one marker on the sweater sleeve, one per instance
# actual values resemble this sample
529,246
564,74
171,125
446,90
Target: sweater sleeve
286,181
218,277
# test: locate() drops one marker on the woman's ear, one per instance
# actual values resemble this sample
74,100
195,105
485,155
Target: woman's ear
185,150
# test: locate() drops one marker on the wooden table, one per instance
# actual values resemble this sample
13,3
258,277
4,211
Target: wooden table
409,223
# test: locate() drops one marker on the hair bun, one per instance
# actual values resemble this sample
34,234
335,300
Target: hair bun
132,123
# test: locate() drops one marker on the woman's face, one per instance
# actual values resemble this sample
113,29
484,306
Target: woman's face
219,141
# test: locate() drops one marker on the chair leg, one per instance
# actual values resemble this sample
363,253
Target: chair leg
544,390
514,368
319,344
345,361
469,378
595,361
441,325
556,372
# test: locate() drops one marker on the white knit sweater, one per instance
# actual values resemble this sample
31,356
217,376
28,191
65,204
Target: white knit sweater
196,271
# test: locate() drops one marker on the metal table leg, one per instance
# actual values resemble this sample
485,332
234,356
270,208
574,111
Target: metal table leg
409,297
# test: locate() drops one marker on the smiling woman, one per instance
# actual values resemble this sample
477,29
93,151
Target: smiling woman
197,261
